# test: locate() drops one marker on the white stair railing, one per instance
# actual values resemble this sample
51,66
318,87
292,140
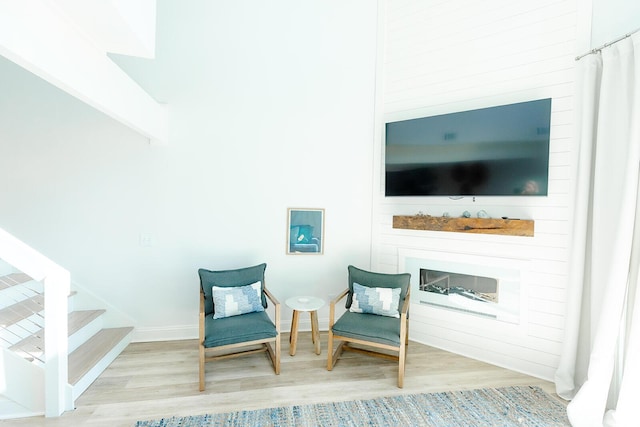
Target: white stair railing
21,311
57,286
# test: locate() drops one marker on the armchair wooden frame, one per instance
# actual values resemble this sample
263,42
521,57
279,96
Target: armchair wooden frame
265,344
400,357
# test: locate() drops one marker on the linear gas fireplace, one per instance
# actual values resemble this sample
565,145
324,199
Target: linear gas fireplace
474,288
470,284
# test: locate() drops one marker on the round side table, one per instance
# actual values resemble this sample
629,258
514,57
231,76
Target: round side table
304,303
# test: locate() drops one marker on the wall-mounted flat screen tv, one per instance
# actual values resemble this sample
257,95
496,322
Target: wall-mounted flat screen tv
495,151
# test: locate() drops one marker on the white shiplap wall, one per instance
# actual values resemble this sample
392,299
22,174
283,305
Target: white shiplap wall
444,56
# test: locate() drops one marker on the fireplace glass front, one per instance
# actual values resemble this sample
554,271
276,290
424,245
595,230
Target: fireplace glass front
476,288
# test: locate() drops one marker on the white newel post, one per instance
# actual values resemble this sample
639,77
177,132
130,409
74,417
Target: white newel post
57,287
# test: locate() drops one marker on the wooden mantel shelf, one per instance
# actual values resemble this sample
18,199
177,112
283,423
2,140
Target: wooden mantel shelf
507,227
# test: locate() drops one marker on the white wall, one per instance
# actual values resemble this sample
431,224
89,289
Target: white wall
451,56
613,19
271,106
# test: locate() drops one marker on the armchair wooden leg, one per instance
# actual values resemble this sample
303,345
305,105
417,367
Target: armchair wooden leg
330,351
278,350
338,352
201,367
406,338
402,350
273,352
401,362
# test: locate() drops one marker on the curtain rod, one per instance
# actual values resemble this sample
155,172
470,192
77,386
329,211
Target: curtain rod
598,49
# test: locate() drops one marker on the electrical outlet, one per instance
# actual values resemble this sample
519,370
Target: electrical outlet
145,240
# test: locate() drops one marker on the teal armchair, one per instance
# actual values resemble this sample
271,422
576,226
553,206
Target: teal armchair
233,318
376,318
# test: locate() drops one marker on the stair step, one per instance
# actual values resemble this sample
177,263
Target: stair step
34,343
14,279
21,310
83,359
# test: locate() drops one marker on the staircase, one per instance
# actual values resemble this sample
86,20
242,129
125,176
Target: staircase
33,381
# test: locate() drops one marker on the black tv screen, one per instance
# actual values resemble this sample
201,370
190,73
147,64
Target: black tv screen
495,151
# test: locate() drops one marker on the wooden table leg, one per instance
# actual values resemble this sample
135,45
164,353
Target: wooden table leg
315,333
293,337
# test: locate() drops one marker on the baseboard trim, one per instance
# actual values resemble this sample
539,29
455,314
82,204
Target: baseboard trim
165,333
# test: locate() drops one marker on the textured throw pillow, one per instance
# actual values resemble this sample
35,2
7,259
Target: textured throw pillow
381,301
236,300
305,233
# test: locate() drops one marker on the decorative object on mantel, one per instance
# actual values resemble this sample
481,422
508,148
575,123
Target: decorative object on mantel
483,214
466,214
507,227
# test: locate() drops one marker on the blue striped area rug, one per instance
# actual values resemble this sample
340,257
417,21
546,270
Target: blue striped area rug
504,407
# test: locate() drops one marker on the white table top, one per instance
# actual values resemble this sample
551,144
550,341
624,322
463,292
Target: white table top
304,303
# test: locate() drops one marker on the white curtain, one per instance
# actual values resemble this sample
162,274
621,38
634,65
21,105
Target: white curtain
600,364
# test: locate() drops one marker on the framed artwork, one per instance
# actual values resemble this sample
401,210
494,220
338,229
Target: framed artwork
305,231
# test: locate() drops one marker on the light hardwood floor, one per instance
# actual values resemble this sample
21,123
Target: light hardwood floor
159,380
